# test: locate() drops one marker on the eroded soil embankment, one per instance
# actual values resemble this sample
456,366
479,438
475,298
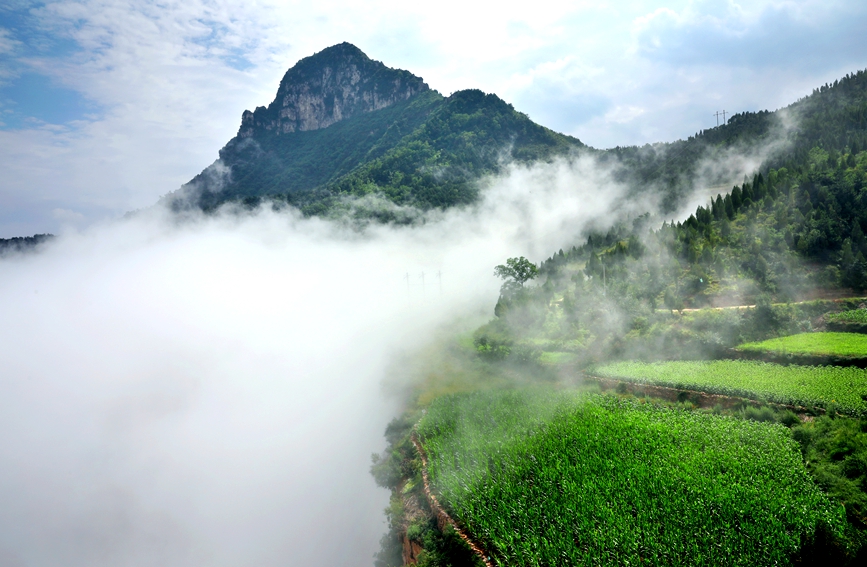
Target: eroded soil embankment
443,518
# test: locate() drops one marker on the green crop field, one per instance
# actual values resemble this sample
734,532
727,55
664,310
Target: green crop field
853,316
820,386
545,478
821,344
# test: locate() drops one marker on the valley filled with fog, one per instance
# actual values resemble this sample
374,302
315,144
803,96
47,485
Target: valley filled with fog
208,390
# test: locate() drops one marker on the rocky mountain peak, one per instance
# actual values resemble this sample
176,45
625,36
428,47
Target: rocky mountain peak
335,84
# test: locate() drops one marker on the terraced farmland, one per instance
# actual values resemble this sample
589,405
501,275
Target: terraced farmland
544,478
852,316
815,386
821,344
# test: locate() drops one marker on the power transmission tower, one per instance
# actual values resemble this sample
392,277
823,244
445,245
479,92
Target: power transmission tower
717,117
422,282
724,116
440,280
407,281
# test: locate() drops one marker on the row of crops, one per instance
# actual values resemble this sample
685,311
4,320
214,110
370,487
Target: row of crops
858,316
553,478
817,344
845,389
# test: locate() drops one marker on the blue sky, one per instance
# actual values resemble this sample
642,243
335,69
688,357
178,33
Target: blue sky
107,104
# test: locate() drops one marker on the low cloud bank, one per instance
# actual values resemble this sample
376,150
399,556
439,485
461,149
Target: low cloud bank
209,392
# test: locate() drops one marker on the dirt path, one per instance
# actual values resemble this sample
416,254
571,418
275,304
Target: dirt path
835,299
443,518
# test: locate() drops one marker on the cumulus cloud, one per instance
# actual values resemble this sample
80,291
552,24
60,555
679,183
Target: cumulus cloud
209,392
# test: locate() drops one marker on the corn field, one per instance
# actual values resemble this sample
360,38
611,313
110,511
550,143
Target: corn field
822,344
844,389
542,478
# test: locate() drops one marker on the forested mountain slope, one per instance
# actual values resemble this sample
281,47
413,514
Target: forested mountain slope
343,124
833,118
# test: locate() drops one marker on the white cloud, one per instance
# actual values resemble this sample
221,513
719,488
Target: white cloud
67,215
622,115
7,42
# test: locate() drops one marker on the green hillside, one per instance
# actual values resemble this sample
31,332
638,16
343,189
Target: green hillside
833,118
268,164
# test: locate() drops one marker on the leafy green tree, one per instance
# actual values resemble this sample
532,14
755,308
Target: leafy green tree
519,270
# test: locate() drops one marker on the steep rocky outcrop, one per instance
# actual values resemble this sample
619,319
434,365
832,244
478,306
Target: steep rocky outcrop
335,84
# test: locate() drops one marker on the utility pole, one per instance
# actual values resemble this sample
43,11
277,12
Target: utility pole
440,280
724,116
407,281
422,282
717,117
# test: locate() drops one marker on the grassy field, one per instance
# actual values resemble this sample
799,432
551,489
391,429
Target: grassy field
821,344
544,478
822,386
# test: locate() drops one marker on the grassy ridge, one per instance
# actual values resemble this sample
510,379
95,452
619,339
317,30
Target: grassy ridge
821,386
546,478
826,344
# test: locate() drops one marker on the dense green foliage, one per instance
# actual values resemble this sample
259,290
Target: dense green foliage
543,478
843,389
469,135
839,344
294,164
782,235
836,453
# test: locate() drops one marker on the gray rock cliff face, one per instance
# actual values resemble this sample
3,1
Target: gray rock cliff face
335,84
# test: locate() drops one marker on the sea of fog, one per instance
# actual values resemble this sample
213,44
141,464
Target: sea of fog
207,391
